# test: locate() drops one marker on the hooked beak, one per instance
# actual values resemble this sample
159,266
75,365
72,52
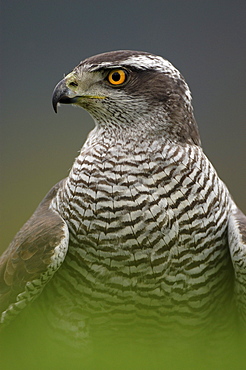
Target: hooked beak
62,94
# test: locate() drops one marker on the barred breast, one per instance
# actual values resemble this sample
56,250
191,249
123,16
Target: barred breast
148,238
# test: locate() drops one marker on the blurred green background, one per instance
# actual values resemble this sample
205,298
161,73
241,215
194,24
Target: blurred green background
43,40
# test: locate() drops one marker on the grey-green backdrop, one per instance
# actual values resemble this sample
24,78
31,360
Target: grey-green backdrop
42,40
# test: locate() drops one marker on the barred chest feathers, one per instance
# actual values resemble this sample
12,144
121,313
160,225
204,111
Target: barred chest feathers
146,216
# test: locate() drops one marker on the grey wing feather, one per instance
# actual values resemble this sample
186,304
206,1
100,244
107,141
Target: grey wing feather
32,258
237,244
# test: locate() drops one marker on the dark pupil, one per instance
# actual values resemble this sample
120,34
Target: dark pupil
116,76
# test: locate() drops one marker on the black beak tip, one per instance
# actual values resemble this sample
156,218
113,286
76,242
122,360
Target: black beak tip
55,100
54,104
57,94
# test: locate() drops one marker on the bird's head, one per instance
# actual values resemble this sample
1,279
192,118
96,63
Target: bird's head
132,89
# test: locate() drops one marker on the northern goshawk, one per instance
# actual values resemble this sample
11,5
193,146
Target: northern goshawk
142,231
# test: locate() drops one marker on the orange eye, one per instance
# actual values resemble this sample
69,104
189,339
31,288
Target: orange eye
117,76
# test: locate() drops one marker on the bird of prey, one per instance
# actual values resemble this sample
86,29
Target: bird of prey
142,231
